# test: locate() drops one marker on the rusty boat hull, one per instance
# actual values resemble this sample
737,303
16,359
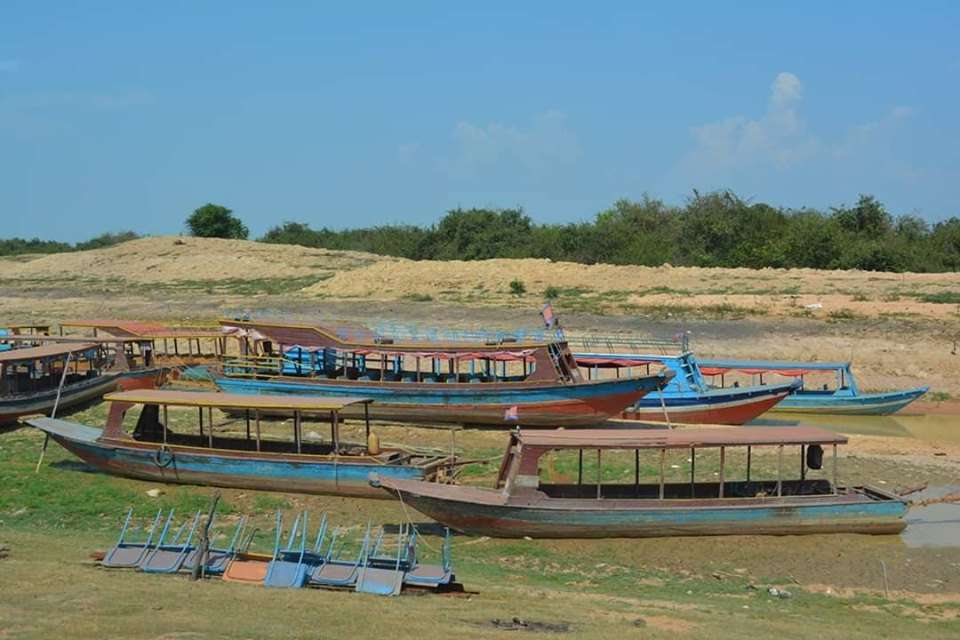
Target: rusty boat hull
486,512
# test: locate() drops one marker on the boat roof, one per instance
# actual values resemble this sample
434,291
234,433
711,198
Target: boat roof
233,400
308,335
146,330
676,438
27,337
44,351
755,366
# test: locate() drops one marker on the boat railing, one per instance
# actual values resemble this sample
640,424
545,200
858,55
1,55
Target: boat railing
255,366
599,343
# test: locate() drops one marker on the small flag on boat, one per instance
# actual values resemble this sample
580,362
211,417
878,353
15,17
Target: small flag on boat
512,414
549,317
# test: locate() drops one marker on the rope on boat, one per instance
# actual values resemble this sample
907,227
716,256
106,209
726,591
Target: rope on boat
53,413
949,498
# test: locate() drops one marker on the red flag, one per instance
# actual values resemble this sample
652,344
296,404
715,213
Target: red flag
512,414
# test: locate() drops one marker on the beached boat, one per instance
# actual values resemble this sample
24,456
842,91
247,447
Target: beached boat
501,382
688,397
843,397
524,504
35,379
168,345
152,448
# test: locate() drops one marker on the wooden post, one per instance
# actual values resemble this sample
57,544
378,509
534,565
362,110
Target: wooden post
636,470
296,429
780,470
803,462
580,467
693,472
599,475
200,411
335,419
247,416
257,415
723,452
749,451
663,456
166,421
366,418
834,469
210,426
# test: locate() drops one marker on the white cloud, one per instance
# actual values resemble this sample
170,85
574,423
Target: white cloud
546,145
778,137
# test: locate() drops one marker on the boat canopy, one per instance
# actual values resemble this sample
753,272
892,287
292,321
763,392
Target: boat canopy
676,439
612,362
500,356
144,330
753,367
234,400
44,352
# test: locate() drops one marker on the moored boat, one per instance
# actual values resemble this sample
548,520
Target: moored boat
156,449
687,397
37,379
495,383
524,504
844,397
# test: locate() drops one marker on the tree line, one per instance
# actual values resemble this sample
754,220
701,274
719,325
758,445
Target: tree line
716,229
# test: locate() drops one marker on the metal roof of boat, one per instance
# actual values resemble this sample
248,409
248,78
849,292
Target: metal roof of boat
233,400
152,330
45,351
677,438
771,365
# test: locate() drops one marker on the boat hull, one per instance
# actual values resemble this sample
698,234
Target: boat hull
553,405
72,395
733,406
863,404
221,468
770,516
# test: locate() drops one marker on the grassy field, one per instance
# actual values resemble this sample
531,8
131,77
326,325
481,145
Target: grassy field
717,588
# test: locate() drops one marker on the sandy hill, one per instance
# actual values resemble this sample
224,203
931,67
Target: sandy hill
605,288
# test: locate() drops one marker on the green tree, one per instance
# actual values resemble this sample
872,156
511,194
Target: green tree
214,221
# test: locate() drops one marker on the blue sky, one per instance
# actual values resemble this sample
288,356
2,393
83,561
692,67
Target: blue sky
129,115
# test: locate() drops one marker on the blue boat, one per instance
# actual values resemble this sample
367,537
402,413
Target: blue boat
155,451
687,397
844,397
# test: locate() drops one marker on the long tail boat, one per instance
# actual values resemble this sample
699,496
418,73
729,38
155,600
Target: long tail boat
40,377
496,383
157,450
844,397
523,504
688,397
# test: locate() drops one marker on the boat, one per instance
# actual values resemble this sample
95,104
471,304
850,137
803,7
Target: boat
169,345
492,382
844,397
41,378
522,503
688,398
159,451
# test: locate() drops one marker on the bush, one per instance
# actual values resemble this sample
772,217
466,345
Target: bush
517,287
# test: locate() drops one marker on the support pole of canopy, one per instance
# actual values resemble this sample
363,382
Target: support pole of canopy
599,475
636,470
834,469
335,421
166,421
723,459
257,416
693,472
296,428
366,418
780,470
580,467
663,456
749,452
247,417
210,426
803,466
200,412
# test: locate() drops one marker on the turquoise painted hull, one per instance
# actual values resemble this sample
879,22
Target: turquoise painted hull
222,468
877,404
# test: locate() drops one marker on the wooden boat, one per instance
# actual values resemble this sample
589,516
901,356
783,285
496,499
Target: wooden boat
35,379
167,345
154,451
688,397
496,383
523,504
844,397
